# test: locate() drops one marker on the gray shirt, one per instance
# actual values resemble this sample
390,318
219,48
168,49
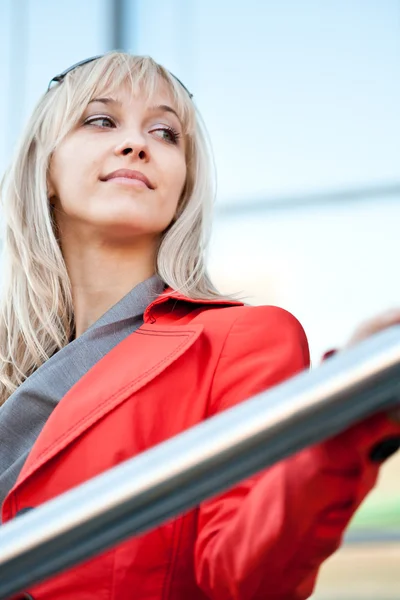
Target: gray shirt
24,414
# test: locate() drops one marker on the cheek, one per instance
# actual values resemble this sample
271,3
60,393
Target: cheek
71,172
175,178
171,184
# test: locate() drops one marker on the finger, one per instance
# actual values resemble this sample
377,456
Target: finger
383,321
387,319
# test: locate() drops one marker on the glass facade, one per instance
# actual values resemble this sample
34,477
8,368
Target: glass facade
301,102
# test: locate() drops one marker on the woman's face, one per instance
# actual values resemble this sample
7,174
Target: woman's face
121,171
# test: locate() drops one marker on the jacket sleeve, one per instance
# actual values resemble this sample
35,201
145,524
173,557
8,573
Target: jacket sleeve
267,537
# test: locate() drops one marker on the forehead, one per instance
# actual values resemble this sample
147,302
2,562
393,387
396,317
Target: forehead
149,92
126,95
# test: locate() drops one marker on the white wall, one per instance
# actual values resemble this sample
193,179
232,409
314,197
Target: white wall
332,266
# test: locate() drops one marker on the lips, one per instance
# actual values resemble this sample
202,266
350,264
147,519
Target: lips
129,174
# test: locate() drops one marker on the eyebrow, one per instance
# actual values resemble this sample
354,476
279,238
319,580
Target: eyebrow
158,108
164,108
106,101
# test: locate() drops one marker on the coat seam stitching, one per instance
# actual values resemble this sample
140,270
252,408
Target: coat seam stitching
178,527
220,355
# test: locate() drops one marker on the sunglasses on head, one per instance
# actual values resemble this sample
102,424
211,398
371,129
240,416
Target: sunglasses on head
60,77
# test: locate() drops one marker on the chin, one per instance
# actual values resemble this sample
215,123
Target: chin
126,228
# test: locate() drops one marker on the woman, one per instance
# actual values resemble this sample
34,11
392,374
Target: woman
113,339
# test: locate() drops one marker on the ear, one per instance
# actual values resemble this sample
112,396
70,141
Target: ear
51,192
51,197
50,187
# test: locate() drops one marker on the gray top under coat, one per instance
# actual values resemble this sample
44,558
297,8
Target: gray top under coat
24,414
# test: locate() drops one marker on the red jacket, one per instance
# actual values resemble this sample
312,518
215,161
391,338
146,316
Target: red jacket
264,539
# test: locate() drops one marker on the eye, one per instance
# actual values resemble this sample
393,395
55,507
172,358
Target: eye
100,121
168,134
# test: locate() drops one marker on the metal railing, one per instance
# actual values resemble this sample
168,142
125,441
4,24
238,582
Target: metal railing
372,536
176,475
251,206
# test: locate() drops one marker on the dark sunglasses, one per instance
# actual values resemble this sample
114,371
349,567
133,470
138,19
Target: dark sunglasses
60,77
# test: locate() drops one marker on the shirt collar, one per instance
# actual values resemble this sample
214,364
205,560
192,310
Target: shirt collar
133,304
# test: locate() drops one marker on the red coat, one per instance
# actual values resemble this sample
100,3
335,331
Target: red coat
264,539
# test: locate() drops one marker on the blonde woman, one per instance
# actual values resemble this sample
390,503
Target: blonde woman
113,339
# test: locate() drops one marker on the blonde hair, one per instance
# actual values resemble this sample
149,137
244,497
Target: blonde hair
36,311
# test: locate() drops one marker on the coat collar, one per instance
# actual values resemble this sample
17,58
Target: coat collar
158,309
164,337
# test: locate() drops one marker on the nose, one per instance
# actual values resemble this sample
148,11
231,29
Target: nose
136,149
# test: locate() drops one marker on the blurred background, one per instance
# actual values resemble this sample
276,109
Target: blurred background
301,99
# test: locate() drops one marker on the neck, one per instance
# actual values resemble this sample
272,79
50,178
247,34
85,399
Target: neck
101,274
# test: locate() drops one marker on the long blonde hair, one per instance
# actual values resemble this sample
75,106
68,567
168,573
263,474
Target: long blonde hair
36,310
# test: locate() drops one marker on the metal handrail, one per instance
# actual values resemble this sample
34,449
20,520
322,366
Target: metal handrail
374,537
178,474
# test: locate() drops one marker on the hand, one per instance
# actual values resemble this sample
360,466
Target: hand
374,325
370,327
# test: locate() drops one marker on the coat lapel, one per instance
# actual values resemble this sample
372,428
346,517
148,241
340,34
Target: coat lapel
130,365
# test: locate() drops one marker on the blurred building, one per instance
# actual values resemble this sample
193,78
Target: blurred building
301,101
